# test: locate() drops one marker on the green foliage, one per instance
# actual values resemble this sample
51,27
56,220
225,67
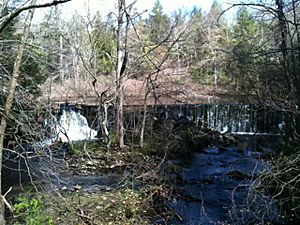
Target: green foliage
205,43
158,24
154,34
80,148
31,70
106,45
244,32
48,36
29,211
195,39
201,76
246,41
31,76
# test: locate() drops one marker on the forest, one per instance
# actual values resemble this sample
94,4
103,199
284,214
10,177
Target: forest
147,117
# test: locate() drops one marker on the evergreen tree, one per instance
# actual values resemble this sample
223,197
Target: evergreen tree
244,32
208,39
158,23
105,43
30,72
244,43
195,39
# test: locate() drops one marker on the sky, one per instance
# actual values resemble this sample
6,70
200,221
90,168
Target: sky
168,5
106,6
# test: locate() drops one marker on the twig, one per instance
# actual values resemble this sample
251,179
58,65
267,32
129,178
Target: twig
6,202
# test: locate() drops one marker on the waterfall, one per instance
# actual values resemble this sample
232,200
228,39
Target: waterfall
231,118
72,126
68,125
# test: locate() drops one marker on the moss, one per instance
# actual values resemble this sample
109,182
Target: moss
81,148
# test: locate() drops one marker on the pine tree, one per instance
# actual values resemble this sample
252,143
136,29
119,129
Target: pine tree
244,43
158,23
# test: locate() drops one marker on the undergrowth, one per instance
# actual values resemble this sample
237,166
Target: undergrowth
282,182
123,206
144,194
30,211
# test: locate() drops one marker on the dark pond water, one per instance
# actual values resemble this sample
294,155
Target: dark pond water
216,185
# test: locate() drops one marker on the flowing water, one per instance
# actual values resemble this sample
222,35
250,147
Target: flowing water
70,125
26,161
73,126
217,186
229,118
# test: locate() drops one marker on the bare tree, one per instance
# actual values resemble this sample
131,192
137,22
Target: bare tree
4,20
11,93
171,39
122,57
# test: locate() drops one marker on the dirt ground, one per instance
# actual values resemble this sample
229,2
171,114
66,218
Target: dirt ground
169,86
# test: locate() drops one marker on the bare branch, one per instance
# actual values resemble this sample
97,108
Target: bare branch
4,21
254,5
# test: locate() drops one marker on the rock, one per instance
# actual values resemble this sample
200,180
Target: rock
89,163
223,149
77,187
64,188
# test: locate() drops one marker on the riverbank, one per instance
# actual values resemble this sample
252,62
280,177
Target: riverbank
187,180
155,184
133,184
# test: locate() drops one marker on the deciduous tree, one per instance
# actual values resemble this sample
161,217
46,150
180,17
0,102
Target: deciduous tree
4,21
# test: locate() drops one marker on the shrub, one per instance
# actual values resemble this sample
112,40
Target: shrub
29,211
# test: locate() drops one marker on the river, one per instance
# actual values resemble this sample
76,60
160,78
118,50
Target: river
216,183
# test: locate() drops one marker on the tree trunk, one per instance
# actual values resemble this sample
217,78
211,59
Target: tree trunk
147,91
283,45
61,67
11,96
105,124
215,76
296,51
122,57
119,77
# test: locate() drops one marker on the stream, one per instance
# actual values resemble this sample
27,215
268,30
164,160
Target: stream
216,185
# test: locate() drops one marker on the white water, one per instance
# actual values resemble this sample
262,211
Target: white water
237,119
72,126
